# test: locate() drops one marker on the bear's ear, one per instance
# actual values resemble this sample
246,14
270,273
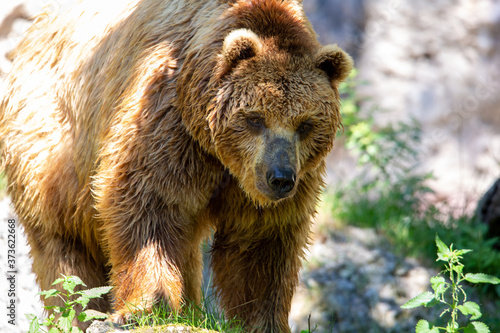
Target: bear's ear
336,63
239,45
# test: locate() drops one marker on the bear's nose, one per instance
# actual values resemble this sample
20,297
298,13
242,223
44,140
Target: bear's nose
281,181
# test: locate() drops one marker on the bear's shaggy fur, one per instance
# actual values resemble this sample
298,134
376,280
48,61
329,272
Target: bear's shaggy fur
129,130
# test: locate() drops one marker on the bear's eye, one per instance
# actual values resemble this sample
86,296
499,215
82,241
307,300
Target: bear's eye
256,123
304,129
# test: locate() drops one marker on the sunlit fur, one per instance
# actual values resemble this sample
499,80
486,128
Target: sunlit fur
125,138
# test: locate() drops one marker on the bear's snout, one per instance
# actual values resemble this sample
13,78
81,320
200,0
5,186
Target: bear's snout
279,169
281,181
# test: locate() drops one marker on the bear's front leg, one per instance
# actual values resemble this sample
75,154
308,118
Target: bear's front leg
154,255
256,275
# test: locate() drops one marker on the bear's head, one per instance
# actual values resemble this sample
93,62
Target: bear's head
276,112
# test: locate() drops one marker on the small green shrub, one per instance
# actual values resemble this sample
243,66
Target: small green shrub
387,153
61,320
451,294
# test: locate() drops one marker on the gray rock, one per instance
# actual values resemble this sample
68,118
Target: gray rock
98,326
488,210
363,291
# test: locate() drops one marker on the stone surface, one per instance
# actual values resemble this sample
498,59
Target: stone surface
102,327
353,283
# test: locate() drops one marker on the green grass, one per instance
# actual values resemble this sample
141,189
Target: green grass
202,317
411,226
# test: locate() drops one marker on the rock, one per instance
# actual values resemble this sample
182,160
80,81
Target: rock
338,21
98,326
488,211
358,285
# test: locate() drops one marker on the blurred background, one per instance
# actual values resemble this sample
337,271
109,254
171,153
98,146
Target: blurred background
437,62
419,156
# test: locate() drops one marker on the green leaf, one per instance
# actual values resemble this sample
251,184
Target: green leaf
423,326
34,324
462,251
51,307
91,314
470,308
49,293
443,250
439,284
66,319
83,301
87,295
481,278
423,299
56,309
54,330
50,320
57,281
458,267
71,282
95,292
477,327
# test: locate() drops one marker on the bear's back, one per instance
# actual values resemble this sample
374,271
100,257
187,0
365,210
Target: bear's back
73,68
66,88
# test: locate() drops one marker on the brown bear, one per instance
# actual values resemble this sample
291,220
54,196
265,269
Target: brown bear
130,130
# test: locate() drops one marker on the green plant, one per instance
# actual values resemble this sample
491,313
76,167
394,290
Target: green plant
61,319
388,153
386,193
204,316
451,293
